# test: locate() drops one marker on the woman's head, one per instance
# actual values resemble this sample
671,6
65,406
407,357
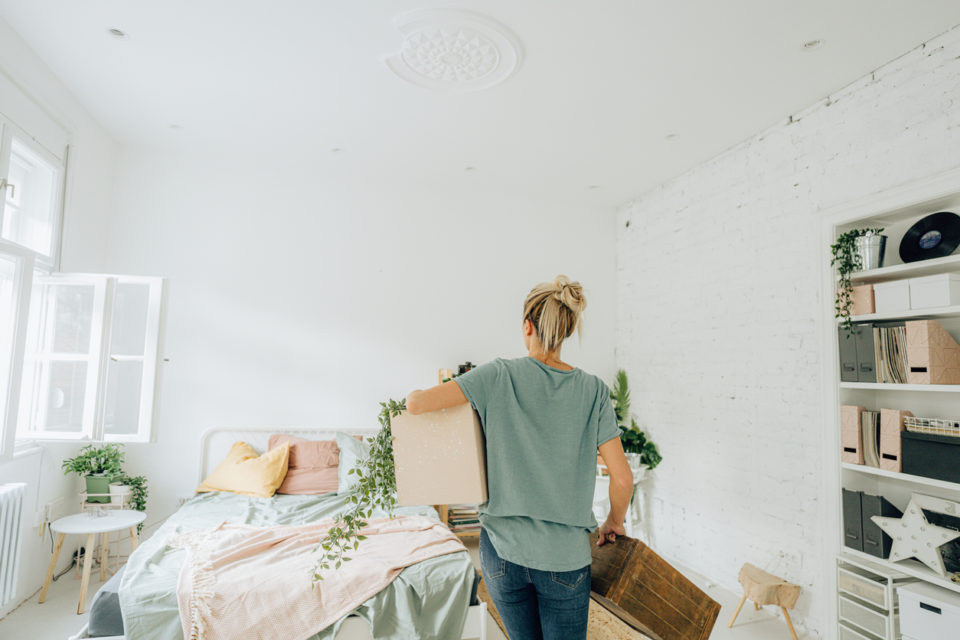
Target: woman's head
553,310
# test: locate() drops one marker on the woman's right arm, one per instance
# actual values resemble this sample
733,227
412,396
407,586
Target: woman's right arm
621,489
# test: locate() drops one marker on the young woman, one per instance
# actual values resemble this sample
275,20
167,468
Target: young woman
544,421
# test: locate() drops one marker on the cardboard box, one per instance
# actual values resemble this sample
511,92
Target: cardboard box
440,457
863,300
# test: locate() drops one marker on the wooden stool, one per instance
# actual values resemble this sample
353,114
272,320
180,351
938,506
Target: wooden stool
765,588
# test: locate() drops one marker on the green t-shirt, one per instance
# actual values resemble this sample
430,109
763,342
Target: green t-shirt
542,427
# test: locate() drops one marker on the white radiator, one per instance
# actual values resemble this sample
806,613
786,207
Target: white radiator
11,517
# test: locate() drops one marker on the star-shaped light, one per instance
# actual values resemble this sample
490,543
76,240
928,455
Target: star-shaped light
914,537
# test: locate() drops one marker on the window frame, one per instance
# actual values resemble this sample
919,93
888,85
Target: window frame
151,359
93,427
94,357
9,129
22,293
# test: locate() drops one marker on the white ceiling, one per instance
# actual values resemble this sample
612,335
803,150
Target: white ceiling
601,86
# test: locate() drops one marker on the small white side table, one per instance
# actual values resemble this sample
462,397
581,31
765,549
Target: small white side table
90,524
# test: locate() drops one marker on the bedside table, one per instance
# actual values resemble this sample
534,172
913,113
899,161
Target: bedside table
90,524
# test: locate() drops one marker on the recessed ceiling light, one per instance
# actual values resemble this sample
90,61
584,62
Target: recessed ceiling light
469,168
813,44
671,136
593,187
117,33
174,126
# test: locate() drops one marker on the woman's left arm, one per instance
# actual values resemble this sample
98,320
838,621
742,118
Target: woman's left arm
435,398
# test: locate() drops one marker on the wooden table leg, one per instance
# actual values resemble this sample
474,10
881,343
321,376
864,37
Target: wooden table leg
134,541
737,612
786,616
87,561
53,566
756,606
104,555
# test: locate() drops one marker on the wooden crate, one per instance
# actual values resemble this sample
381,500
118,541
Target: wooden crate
647,588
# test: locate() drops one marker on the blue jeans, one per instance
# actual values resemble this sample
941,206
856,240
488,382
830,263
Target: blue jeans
535,604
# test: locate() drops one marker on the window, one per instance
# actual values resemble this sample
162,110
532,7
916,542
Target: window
31,204
16,266
91,358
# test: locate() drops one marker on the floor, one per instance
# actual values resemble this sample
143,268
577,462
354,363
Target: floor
56,619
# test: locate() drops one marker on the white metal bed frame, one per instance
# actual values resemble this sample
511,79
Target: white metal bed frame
214,445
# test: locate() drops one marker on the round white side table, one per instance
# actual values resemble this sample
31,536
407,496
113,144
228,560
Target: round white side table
90,524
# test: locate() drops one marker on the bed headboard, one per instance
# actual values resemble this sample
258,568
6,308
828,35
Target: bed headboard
215,443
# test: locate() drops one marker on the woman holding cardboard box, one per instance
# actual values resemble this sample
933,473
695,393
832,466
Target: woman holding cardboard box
544,421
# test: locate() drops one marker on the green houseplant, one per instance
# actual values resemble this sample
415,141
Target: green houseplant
633,439
846,259
376,488
98,466
138,491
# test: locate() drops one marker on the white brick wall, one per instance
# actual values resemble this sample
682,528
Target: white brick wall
719,310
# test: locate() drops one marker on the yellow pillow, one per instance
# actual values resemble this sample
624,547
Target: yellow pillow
248,474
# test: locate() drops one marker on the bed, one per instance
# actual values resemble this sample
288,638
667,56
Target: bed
427,599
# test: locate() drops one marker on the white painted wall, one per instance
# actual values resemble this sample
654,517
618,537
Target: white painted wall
88,188
298,297
718,317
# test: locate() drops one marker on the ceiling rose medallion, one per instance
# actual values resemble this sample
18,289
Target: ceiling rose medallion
449,50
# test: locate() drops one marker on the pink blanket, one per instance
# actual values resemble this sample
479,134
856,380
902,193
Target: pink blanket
241,581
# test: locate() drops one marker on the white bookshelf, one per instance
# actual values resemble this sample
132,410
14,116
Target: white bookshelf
938,312
949,264
887,386
902,477
896,210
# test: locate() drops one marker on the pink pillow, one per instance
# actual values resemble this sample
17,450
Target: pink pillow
312,469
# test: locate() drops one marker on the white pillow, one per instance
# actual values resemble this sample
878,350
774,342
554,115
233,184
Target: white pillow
352,450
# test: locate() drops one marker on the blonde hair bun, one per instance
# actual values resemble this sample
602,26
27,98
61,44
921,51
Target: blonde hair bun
570,294
555,308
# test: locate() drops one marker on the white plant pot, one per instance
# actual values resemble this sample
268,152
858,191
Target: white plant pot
118,493
639,473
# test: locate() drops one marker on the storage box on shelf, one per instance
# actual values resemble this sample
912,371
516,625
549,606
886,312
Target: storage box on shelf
892,297
928,612
941,290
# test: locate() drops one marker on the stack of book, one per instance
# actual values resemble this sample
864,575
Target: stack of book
463,518
890,349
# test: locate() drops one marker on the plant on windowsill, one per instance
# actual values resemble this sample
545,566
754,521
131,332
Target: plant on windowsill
376,487
641,452
846,259
98,466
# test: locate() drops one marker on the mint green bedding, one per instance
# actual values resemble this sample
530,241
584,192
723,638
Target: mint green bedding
427,600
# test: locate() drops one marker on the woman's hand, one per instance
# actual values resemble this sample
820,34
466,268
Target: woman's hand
609,531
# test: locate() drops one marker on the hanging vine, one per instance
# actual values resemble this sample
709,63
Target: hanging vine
376,488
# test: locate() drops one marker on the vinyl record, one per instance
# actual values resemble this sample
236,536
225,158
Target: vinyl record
934,236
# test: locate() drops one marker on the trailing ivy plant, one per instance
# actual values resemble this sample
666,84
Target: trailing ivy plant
138,492
632,438
847,260
376,488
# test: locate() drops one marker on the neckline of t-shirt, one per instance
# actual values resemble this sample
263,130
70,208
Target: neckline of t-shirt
546,366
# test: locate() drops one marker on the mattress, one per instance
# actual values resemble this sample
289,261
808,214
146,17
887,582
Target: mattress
427,600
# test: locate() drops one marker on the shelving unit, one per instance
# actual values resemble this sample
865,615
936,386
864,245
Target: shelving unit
902,477
896,210
938,312
881,386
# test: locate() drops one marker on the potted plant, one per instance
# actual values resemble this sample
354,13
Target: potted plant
136,487
641,452
98,466
849,254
